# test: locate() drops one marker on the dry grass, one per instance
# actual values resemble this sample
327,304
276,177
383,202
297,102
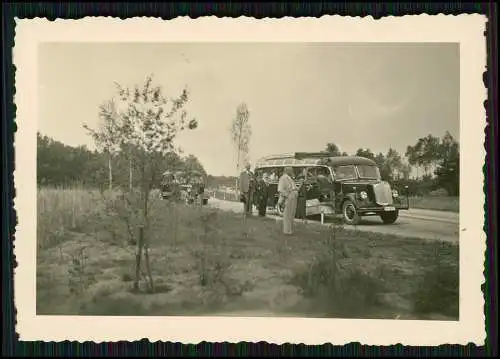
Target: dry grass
205,261
61,210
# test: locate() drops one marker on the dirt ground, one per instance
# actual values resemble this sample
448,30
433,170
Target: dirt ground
208,262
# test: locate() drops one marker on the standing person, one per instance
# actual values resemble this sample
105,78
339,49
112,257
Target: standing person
288,197
261,194
302,197
246,188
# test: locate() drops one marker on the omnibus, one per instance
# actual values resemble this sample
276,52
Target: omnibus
349,186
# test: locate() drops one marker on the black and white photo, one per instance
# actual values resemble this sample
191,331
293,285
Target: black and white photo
324,179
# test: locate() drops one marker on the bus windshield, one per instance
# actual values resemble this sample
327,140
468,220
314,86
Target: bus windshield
368,172
345,172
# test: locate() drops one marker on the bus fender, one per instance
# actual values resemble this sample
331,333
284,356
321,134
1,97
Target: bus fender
351,197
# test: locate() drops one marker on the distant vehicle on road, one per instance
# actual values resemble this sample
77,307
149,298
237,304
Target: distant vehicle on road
169,187
349,186
186,186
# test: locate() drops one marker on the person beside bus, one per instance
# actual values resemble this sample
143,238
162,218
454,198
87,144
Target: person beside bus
302,196
324,178
246,183
287,198
261,194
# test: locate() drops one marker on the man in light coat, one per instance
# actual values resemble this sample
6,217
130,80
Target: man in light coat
246,178
288,198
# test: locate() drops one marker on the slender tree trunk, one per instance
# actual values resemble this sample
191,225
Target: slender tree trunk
148,266
173,206
130,170
145,200
110,172
138,257
237,189
130,175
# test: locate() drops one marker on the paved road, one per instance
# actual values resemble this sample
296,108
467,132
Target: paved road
413,223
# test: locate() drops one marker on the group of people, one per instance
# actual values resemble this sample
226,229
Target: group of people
292,198
253,187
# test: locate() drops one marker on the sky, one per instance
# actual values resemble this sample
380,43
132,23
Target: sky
300,95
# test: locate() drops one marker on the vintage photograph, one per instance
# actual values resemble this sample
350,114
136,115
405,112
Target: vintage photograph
315,180
284,179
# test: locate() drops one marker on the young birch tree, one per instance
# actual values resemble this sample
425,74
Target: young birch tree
148,126
107,135
241,132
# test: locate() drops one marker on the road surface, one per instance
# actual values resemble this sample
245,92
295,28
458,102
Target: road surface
418,223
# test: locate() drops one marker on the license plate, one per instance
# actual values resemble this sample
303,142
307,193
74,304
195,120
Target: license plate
389,209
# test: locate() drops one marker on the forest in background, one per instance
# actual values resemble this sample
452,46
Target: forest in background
434,160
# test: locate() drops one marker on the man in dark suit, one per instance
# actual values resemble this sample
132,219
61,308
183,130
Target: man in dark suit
261,194
246,178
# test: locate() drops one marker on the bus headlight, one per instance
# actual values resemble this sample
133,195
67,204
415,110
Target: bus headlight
395,193
363,195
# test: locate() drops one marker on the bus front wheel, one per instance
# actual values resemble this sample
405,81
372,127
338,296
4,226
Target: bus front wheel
350,213
389,217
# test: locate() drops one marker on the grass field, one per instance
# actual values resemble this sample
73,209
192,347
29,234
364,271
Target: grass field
206,261
449,204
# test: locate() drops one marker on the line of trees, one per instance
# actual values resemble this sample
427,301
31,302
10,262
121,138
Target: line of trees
61,165
434,161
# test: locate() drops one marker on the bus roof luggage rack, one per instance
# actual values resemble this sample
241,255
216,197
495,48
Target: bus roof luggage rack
302,155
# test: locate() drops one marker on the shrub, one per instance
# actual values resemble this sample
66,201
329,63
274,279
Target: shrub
211,261
337,285
79,278
438,289
440,192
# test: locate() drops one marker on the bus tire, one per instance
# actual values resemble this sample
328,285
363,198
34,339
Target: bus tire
389,217
349,213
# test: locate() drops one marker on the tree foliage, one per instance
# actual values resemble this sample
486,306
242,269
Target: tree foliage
334,150
60,165
143,124
63,166
365,152
425,153
438,156
107,136
448,170
241,133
